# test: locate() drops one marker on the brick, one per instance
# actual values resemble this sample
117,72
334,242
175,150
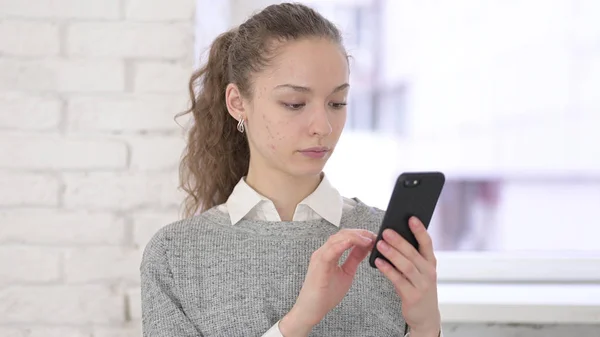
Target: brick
126,113
62,75
159,10
28,264
48,331
134,303
134,329
11,332
61,9
147,223
29,111
162,77
86,304
242,9
121,191
130,40
156,152
55,152
102,264
59,227
28,189
42,38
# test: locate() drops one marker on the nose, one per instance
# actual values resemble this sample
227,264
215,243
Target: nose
320,124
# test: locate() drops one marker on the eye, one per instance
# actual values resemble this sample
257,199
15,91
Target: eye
338,105
294,106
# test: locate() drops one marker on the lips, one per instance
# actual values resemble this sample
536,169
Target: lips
316,149
315,152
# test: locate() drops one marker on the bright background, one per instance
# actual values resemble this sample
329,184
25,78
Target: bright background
500,95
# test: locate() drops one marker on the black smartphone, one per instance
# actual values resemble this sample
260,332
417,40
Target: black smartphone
415,194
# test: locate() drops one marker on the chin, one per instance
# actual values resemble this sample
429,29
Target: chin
307,169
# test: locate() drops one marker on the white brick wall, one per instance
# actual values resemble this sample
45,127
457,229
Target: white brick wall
174,77
62,9
45,43
124,113
88,157
62,75
159,10
26,111
124,39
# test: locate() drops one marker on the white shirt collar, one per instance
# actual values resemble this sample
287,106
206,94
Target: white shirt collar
325,202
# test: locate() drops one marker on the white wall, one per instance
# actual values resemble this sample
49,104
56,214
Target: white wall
88,155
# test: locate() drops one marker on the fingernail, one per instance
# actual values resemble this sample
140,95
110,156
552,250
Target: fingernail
388,234
414,223
366,239
383,246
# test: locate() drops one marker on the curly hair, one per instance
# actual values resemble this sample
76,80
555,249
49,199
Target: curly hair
217,155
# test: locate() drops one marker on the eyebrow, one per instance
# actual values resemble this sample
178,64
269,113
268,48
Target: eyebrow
307,89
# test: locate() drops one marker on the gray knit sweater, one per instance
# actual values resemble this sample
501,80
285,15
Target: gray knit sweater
204,276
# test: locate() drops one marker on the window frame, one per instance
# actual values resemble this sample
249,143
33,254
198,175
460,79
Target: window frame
520,267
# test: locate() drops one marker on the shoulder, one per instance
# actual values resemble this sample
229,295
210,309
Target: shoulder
363,215
179,236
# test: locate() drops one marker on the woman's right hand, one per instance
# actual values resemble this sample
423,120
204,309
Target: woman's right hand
327,282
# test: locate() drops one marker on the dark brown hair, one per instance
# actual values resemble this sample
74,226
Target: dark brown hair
217,155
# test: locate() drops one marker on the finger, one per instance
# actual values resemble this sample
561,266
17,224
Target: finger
356,256
338,243
352,234
405,248
402,285
332,251
423,238
402,264
348,233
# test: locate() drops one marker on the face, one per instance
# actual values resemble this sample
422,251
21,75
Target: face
298,108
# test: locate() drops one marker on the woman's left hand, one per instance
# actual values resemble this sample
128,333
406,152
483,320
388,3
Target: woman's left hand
414,276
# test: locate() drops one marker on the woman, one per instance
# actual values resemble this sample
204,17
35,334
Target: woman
261,256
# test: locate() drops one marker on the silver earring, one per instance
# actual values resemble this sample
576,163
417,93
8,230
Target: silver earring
240,125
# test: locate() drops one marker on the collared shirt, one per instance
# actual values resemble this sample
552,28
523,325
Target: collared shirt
324,203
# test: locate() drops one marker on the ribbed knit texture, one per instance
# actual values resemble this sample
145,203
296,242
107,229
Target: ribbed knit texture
204,276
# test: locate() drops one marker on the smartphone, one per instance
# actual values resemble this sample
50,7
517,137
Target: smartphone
415,194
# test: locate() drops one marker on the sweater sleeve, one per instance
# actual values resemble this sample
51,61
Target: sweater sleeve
162,314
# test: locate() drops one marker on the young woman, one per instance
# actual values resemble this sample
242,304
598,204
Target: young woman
260,249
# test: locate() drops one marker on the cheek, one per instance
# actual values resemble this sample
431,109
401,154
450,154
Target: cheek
338,123
273,128
275,132
267,134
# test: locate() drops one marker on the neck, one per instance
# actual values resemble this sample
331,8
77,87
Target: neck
285,191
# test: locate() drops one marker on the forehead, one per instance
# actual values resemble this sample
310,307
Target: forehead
316,63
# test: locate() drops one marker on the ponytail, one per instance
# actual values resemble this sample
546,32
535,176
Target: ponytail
216,156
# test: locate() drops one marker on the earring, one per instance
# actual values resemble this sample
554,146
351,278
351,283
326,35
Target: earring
240,125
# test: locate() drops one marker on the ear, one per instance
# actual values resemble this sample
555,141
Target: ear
234,101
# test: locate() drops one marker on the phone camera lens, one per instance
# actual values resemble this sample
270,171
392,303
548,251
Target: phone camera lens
411,183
